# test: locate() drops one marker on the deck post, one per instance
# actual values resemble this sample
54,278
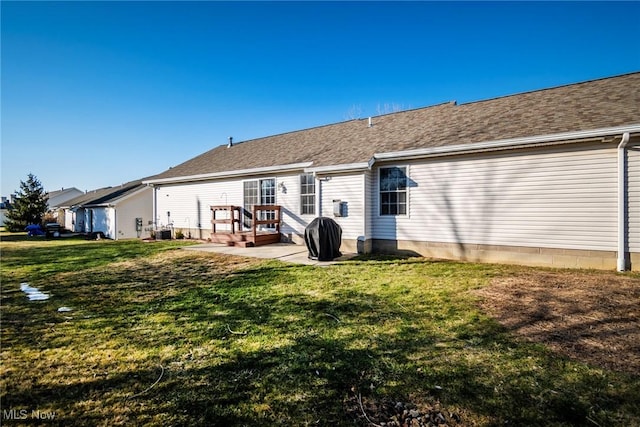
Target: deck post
254,225
231,220
232,217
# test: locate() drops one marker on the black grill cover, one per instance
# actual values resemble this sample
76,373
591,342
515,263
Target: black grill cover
323,237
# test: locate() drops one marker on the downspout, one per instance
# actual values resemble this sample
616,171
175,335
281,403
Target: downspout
622,203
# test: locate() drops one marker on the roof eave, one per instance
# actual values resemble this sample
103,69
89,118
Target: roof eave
229,174
506,144
348,167
99,205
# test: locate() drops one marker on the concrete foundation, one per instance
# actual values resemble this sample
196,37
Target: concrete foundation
541,257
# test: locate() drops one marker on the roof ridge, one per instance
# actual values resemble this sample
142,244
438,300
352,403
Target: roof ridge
545,89
409,110
287,133
336,124
441,104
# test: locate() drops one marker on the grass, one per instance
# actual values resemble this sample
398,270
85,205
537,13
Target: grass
161,336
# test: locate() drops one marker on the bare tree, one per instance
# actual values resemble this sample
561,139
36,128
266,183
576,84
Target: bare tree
354,112
388,108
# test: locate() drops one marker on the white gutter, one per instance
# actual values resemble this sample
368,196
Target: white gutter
230,174
564,137
622,203
348,167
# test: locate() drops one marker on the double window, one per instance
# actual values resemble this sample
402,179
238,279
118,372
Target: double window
307,194
393,190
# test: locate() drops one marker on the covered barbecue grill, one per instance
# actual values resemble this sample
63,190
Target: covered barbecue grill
323,237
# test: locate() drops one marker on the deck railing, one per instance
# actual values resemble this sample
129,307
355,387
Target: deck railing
265,225
232,219
257,209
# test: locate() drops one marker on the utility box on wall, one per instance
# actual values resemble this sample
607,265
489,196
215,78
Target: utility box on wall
339,208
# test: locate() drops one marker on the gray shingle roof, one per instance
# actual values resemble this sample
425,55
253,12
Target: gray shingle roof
603,103
104,195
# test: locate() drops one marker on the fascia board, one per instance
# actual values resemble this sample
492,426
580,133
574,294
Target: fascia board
565,137
229,174
349,167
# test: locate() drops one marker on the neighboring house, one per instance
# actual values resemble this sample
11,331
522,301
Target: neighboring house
5,204
117,212
59,198
549,177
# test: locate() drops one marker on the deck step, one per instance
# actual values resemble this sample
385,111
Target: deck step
245,239
244,244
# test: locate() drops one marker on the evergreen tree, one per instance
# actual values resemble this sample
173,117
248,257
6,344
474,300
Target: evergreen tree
29,205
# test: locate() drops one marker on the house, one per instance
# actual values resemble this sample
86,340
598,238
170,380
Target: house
58,198
549,177
120,212
5,205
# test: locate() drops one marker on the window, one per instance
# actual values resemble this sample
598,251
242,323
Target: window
259,192
268,197
268,191
307,194
393,191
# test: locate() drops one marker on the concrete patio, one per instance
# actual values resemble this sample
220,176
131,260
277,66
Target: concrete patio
287,252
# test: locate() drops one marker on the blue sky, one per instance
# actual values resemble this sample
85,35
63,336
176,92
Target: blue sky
96,94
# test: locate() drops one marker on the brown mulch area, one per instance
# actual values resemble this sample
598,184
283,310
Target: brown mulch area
390,413
593,317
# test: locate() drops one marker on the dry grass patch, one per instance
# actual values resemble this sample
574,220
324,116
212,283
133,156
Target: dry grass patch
589,316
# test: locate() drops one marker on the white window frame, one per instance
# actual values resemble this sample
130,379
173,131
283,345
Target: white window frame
406,191
311,179
258,180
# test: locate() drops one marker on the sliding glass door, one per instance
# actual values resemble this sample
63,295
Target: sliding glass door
258,192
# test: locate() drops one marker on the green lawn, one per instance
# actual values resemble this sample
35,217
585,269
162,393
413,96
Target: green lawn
162,336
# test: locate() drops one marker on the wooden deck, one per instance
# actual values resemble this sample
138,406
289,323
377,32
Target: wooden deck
232,233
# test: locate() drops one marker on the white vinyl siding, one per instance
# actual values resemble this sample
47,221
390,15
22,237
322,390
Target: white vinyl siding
190,203
69,220
102,219
369,187
562,197
348,189
288,196
138,205
633,176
